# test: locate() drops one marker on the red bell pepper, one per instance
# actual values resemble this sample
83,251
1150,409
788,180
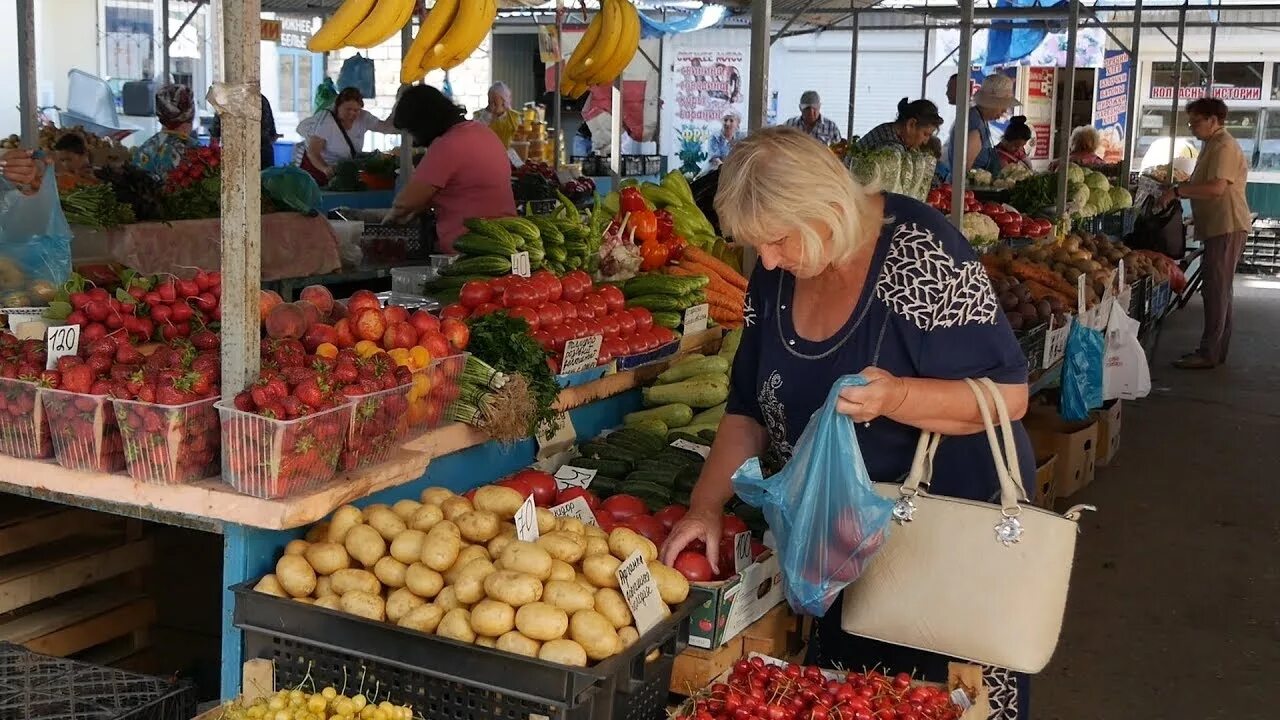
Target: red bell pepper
645,225
666,225
653,255
630,200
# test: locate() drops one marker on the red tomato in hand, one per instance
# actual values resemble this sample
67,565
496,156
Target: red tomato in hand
455,311
474,294
542,484
670,515
694,566
613,297
643,318
624,507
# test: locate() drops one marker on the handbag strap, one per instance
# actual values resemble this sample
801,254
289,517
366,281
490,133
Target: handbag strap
350,145
1008,471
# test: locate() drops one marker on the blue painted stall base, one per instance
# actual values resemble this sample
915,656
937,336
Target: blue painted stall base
582,378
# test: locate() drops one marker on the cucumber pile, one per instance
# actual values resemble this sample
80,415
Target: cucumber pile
666,296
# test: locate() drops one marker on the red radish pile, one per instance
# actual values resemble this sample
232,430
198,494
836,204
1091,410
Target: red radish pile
562,309
756,690
149,308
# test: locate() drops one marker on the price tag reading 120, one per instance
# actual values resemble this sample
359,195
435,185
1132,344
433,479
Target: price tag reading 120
62,341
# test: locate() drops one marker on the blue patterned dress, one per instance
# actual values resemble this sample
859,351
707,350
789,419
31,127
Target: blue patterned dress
163,152
927,310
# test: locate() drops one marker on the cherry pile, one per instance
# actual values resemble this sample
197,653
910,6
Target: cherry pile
756,690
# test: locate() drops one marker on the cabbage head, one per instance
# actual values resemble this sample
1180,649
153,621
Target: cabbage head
1079,193
889,163
1101,201
1120,198
1097,182
1075,173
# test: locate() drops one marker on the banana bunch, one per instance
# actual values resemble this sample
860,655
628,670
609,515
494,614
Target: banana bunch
362,24
606,49
452,31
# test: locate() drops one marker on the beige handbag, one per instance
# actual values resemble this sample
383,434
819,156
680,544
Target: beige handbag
971,580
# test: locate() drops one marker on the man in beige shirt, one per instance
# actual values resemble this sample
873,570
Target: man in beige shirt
1222,221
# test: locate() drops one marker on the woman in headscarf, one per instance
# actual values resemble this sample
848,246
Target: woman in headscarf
176,110
501,118
465,173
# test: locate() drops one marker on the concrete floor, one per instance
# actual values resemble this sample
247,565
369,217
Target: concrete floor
1174,610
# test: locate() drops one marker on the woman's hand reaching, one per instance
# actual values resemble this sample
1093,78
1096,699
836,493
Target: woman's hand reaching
882,396
20,167
695,525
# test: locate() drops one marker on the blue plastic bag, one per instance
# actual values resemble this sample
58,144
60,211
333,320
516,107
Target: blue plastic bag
826,517
35,244
1082,372
292,188
357,72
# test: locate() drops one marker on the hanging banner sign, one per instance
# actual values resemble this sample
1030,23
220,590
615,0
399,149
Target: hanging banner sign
708,86
1111,106
1224,92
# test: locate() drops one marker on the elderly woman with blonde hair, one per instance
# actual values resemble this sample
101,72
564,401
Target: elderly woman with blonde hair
1085,142
852,280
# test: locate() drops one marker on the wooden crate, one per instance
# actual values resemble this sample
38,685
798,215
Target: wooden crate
777,634
71,581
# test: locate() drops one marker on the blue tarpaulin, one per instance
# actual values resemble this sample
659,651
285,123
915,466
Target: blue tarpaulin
1008,41
700,19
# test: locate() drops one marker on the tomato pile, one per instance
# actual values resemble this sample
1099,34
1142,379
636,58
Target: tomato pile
756,690
1012,224
562,309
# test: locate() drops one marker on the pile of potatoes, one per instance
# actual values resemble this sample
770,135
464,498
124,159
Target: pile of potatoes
453,567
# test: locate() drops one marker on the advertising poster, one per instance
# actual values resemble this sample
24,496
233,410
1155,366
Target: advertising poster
709,85
1112,103
1039,110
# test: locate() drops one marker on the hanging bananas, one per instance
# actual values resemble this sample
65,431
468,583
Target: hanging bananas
362,24
450,34
606,49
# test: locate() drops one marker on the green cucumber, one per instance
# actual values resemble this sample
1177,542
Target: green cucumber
665,477
614,468
686,370
672,415
650,426
687,477
605,451
646,442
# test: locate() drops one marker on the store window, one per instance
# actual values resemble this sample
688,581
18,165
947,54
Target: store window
1240,81
1269,148
297,71
1153,135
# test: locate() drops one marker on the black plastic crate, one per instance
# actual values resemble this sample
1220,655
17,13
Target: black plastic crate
447,680
1139,299
39,687
1032,344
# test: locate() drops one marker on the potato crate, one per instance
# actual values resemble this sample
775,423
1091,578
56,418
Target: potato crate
441,678
39,687
70,581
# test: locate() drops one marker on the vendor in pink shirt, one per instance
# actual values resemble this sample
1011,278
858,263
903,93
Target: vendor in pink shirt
465,173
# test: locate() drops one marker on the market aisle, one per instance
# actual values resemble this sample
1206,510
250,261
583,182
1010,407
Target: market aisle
1173,601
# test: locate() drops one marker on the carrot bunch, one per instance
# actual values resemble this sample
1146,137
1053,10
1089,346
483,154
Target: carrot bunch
725,292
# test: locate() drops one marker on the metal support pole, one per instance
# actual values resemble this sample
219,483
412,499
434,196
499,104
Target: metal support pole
1177,91
960,133
164,42
557,111
241,228
406,140
615,131
758,88
1067,103
853,73
27,102
924,69
1130,118
1182,23
1213,47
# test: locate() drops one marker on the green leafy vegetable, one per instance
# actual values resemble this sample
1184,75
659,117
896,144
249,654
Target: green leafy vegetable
504,342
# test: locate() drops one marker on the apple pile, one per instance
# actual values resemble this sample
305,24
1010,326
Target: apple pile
562,309
759,690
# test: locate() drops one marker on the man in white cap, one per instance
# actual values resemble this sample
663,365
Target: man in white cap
991,102
811,121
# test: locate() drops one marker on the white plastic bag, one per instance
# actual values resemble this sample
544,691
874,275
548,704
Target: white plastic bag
1125,374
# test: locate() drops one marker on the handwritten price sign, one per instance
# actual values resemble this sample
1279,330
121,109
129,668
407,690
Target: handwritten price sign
576,508
641,592
62,341
527,521
581,354
520,264
569,476
695,318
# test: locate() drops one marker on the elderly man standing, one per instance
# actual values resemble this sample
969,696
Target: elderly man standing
499,115
811,120
1222,220
718,146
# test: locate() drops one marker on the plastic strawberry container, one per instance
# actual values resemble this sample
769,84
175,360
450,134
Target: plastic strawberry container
379,423
84,431
273,459
169,444
433,391
24,425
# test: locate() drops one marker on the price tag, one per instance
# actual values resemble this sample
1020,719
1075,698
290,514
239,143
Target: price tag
551,442
703,450
569,476
21,316
63,340
695,318
581,354
640,591
742,558
527,521
576,508
520,264
1055,343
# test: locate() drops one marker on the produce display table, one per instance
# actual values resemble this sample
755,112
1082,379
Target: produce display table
255,531
293,245
289,286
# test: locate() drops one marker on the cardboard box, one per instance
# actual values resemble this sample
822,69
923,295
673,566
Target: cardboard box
777,634
1045,469
728,607
1108,431
1075,444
